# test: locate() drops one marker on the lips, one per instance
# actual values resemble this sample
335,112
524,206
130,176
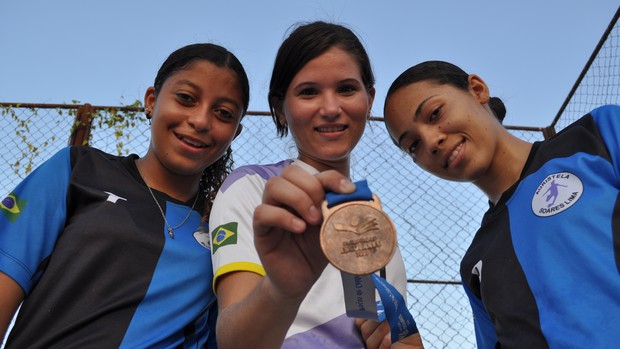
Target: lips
191,142
329,129
454,154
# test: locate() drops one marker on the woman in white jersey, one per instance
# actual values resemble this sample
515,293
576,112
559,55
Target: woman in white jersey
274,286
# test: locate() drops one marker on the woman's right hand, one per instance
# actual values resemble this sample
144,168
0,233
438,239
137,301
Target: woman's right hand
287,225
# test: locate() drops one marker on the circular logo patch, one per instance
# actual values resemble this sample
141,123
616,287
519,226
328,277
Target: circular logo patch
556,193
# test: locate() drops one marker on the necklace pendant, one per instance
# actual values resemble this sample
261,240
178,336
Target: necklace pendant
170,232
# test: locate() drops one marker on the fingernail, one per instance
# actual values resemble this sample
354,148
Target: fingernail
347,186
314,212
298,224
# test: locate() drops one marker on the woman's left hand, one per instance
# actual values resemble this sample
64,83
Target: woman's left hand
376,335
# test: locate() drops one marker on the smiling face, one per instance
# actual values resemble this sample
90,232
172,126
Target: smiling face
195,117
326,107
447,131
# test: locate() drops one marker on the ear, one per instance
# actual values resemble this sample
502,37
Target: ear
149,99
239,129
371,99
276,104
478,88
281,116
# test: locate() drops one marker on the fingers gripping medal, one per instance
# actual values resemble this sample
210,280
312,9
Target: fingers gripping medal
357,237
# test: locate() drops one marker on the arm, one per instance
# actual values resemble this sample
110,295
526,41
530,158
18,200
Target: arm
289,249
10,298
32,217
249,315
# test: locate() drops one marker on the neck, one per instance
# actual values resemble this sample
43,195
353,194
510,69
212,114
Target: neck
342,166
156,176
505,169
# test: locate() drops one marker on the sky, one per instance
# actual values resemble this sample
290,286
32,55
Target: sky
529,52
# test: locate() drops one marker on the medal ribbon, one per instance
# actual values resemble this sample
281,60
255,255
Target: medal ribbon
392,302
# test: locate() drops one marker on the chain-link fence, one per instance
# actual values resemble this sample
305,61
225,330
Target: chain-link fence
435,219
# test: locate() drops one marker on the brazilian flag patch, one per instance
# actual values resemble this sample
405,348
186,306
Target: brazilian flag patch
225,234
11,206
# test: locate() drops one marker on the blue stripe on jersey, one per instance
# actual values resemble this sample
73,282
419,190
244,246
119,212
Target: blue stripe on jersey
559,253
44,197
483,326
606,118
183,253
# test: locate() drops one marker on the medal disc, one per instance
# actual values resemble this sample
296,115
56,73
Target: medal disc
357,237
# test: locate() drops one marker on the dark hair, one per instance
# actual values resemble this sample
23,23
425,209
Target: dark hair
214,175
215,54
305,43
442,73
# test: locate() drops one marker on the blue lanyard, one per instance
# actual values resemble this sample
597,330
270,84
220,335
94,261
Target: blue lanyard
398,316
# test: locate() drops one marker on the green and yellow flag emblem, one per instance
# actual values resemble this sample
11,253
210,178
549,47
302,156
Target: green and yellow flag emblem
11,206
225,234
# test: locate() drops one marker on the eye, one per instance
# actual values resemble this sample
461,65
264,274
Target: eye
225,114
434,114
413,146
185,98
308,92
347,89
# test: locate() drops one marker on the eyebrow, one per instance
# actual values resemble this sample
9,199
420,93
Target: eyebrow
186,82
312,83
416,115
418,110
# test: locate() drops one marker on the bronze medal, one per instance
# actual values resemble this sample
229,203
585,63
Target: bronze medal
357,237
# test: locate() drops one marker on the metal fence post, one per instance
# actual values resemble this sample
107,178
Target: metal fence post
80,132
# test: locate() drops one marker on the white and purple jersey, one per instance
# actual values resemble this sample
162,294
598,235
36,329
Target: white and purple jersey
321,321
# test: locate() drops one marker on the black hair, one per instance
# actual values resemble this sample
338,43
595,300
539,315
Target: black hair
213,53
214,175
442,73
306,42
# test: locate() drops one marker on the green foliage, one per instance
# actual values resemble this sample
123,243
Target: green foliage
121,120
27,153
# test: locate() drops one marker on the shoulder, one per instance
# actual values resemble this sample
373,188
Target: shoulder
262,172
79,151
606,111
89,156
606,116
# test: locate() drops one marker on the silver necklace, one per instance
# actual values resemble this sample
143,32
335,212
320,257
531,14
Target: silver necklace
170,228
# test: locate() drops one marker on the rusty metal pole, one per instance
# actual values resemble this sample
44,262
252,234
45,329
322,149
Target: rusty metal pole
80,132
549,132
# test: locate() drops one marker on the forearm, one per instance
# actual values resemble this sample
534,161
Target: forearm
260,320
10,298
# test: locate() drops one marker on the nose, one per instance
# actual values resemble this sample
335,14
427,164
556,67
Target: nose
434,141
200,120
330,105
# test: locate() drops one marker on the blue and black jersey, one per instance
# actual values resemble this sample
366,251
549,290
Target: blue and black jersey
543,271
87,243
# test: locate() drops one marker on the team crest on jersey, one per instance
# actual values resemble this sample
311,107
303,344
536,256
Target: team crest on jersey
11,206
202,236
556,193
225,234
